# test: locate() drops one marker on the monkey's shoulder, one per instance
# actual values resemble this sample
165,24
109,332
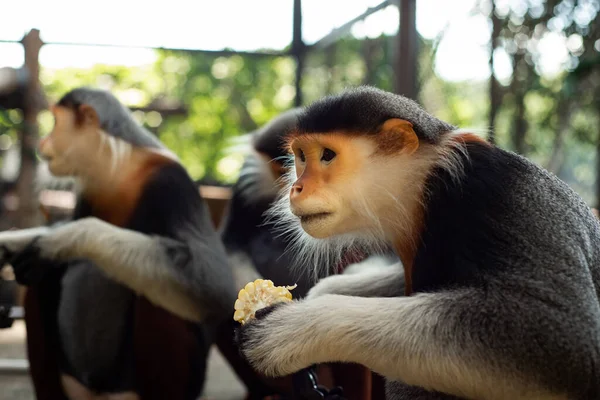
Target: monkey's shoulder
504,213
168,201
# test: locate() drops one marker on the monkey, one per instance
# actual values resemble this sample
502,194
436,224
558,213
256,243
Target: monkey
257,251
124,300
252,239
500,259
260,252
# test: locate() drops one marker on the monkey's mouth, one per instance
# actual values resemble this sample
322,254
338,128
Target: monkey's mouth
308,218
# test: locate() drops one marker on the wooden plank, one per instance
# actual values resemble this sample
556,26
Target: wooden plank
215,53
14,366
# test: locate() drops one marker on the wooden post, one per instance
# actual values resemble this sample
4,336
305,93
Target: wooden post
405,68
28,214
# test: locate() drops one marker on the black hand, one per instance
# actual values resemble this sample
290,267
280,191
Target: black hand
29,267
335,394
241,336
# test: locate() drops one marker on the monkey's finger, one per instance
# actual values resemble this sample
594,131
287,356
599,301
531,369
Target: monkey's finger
263,312
29,271
29,268
5,254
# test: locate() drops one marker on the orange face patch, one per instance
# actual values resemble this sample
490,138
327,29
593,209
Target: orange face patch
312,155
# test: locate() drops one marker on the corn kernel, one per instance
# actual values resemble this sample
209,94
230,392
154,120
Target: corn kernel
259,294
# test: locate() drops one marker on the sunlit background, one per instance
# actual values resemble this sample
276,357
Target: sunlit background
523,73
546,108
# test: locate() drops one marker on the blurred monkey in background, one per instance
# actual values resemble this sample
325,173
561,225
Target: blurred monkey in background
258,251
123,301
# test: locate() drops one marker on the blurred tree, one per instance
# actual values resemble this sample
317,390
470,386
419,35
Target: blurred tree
538,108
551,119
226,96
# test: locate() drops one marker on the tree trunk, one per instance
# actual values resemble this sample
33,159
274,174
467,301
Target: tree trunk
518,87
495,95
598,161
520,124
369,51
330,56
557,156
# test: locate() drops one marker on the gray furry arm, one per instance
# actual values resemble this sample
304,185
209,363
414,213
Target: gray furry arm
156,267
373,281
426,340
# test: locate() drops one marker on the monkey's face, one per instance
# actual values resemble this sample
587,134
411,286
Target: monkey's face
71,145
328,186
366,185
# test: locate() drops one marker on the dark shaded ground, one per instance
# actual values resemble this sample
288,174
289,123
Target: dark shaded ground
221,383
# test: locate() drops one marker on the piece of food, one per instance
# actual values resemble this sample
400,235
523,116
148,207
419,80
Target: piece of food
259,294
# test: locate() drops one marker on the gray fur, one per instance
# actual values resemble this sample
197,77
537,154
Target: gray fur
365,109
111,302
522,321
114,117
400,391
182,268
373,281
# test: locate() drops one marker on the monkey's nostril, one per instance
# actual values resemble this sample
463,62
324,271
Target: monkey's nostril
296,190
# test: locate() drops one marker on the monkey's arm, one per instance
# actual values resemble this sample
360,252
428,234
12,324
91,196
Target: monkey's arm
243,268
153,266
374,281
436,341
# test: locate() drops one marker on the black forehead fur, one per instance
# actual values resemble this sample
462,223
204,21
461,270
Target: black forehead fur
115,119
365,109
269,138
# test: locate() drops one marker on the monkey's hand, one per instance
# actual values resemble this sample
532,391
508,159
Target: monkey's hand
15,241
20,249
276,341
28,266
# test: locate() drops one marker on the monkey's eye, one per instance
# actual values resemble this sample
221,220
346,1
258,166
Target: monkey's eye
328,155
301,155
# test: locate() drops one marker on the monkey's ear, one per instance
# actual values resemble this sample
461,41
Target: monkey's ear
400,136
88,116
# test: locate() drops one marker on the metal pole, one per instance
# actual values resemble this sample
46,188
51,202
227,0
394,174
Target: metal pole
405,68
298,50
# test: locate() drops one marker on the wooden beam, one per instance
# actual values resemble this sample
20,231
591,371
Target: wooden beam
338,33
405,62
216,53
28,214
14,366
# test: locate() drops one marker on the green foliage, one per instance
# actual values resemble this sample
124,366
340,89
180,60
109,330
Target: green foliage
228,96
224,97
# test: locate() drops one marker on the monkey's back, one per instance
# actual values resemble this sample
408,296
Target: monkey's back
526,245
510,213
114,340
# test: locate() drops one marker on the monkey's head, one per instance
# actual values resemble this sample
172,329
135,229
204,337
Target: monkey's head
267,141
91,129
344,182
360,161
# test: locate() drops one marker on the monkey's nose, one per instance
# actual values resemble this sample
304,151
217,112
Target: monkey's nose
296,190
